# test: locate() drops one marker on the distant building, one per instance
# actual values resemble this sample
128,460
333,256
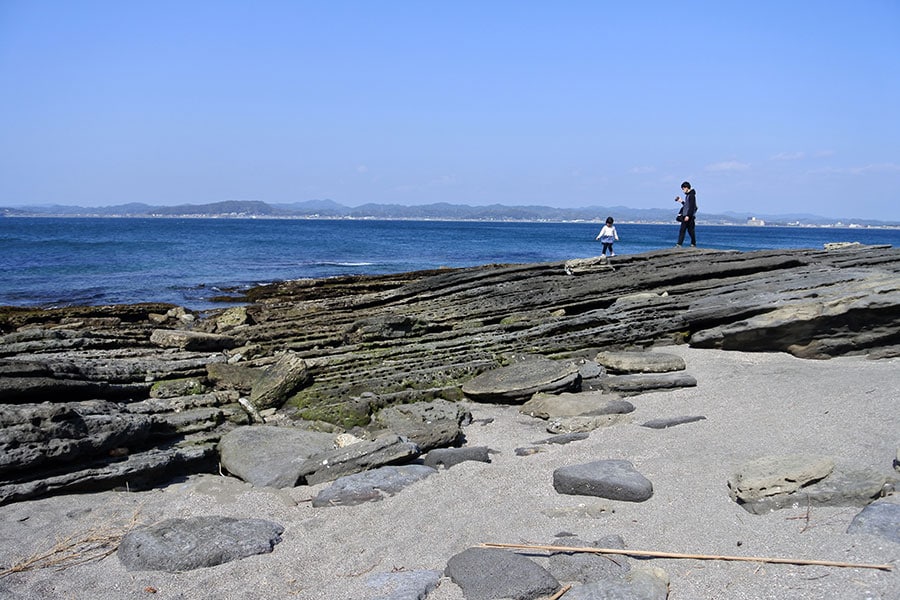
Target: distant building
755,222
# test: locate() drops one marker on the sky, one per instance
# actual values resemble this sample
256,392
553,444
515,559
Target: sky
766,107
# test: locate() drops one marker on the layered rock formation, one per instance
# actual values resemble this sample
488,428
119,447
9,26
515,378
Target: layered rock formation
126,395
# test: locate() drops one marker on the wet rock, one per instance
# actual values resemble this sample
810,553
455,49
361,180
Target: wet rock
185,544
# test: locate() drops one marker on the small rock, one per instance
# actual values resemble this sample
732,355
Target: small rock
671,422
611,479
447,457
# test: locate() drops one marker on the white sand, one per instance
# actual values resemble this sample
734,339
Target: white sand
755,404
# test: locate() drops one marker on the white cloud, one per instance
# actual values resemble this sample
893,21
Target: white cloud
362,169
728,165
641,170
864,170
789,156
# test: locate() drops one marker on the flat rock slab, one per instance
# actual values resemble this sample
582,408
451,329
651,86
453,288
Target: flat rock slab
671,421
637,384
611,479
773,475
371,486
330,465
640,362
270,456
519,381
491,573
842,487
881,518
191,340
185,544
448,457
568,404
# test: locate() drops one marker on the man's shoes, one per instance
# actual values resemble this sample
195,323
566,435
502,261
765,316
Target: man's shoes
612,253
693,245
678,245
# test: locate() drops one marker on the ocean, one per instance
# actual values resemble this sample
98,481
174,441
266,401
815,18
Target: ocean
47,261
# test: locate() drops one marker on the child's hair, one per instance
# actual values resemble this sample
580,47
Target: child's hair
686,184
609,220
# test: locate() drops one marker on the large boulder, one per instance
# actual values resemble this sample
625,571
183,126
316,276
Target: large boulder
279,381
271,456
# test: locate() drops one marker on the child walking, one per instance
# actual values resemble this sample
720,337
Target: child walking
607,236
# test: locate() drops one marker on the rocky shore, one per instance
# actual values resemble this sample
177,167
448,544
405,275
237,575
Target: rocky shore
352,389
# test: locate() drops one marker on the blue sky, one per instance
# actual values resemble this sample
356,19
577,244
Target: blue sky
766,107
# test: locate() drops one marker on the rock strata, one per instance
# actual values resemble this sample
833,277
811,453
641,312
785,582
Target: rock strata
360,345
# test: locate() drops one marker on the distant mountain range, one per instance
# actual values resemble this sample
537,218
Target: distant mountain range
327,209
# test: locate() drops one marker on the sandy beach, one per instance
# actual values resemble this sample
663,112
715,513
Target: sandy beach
755,405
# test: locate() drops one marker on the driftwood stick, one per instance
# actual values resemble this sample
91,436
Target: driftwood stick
655,554
560,593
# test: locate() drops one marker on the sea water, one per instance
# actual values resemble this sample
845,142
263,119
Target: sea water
47,261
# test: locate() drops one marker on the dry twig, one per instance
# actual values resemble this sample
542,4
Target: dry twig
655,554
95,544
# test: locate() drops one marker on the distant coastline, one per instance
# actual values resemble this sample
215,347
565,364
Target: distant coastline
328,210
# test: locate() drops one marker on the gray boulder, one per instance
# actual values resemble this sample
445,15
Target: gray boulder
371,486
612,479
270,456
279,381
427,424
185,544
640,362
522,379
491,573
